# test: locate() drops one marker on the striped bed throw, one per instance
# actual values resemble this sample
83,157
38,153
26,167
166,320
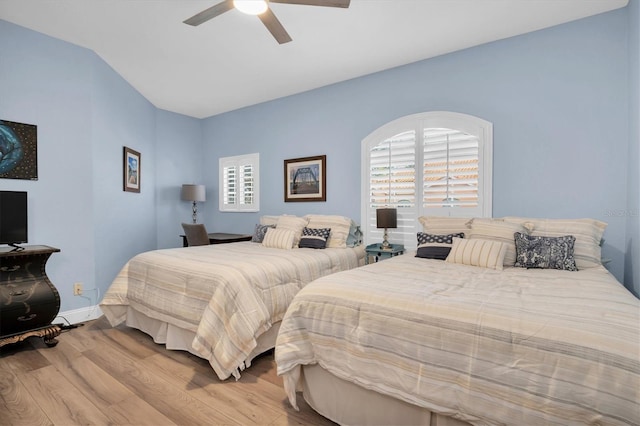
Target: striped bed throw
487,346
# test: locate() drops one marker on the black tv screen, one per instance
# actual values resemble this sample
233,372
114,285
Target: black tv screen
13,217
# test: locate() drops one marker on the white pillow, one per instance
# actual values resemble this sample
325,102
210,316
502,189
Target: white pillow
293,223
279,238
498,230
339,225
444,225
588,233
269,220
483,253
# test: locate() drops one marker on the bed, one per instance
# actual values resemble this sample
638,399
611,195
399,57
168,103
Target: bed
224,303
419,340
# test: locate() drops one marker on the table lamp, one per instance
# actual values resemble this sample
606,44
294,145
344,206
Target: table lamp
386,218
193,193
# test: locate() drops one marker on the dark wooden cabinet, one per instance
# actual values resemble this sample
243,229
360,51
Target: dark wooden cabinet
29,302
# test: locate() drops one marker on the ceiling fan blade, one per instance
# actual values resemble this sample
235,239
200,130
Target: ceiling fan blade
326,3
274,26
210,13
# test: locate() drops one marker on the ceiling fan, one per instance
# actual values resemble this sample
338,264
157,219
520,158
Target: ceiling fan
262,10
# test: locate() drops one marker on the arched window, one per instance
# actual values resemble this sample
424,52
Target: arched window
430,164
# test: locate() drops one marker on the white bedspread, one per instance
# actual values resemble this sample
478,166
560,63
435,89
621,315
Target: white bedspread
520,347
228,294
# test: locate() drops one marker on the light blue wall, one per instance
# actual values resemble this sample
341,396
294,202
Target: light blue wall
564,126
632,263
178,160
556,99
86,113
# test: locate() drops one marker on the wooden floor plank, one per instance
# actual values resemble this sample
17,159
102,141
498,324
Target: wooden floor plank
58,398
151,386
98,374
230,399
23,356
136,411
17,406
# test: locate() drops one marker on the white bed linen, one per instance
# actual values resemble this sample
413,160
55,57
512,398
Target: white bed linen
227,294
488,347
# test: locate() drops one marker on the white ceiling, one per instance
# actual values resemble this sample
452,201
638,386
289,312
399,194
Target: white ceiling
232,61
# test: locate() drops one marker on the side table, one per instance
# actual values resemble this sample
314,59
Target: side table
376,252
28,299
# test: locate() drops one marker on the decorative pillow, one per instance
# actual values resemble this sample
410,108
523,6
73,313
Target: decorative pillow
435,246
269,220
545,252
587,232
497,230
315,238
258,234
279,238
443,225
483,253
339,225
293,223
355,235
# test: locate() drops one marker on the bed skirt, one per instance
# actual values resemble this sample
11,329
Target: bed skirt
178,339
348,404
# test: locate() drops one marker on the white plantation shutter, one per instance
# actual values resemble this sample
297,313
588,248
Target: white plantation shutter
450,169
230,185
246,182
392,180
239,189
436,164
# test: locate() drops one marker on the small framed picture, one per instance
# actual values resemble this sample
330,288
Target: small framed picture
305,179
131,170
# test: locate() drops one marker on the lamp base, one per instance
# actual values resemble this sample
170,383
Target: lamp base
195,212
385,241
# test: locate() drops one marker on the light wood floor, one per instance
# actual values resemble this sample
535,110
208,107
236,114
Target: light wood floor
100,375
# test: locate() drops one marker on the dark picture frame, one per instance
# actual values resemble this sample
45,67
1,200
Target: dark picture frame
305,179
131,169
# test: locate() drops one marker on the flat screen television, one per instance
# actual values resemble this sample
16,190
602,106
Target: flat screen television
13,217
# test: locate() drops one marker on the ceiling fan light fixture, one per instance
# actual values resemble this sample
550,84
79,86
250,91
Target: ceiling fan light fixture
251,7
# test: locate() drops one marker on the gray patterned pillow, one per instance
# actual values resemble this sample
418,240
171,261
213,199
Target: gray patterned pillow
545,252
314,238
258,234
431,246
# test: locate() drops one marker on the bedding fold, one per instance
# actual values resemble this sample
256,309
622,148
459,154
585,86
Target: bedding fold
227,294
515,346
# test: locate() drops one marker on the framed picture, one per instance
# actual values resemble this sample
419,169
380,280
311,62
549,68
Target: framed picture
18,150
305,179
131,170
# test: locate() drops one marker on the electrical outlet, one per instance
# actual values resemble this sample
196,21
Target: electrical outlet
77,289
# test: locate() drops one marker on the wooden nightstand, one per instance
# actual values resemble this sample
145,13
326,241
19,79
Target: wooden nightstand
221,238
28,299
376,252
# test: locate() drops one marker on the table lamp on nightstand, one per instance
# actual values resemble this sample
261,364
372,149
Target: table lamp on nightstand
386,218
193,193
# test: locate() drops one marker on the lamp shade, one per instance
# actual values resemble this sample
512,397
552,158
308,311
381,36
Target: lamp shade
386,218
193,192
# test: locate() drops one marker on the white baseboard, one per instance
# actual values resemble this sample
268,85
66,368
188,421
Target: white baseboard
76,316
